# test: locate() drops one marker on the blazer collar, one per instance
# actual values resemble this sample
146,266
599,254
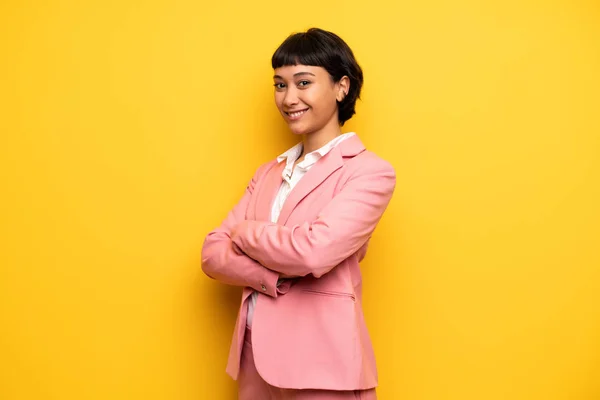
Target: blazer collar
351,147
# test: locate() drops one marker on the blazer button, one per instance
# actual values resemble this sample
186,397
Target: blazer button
263,287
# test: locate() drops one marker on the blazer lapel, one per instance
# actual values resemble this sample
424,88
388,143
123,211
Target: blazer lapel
265,194
313,178
318,173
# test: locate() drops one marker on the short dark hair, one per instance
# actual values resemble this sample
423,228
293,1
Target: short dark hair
319,48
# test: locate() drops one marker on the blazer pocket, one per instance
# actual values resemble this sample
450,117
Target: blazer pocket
328,293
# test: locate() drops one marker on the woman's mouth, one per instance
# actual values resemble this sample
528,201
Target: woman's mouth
295,115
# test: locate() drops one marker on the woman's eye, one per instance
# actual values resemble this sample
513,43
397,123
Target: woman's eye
279,85
303,83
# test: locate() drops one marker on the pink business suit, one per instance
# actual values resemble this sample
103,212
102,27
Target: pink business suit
308,333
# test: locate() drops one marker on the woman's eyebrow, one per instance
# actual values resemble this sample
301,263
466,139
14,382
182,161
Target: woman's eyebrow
295,75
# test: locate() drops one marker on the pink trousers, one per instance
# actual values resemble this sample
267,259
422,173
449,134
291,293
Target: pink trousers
253,387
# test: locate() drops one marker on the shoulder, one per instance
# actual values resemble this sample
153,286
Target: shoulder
263,169
369,173
369,163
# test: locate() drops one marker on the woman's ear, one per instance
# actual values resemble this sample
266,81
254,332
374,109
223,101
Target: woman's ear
343,88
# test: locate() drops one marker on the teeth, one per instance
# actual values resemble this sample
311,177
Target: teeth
297,114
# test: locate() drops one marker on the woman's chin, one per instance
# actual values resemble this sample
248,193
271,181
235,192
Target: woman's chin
298,128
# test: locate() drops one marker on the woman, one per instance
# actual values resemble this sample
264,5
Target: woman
295,240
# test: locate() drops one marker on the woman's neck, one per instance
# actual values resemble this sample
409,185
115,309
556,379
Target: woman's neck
316,140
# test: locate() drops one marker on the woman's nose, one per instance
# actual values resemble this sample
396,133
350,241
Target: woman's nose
291,98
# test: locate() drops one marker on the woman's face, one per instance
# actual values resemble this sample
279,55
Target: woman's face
306,97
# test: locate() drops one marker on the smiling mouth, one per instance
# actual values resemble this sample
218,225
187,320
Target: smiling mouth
296,114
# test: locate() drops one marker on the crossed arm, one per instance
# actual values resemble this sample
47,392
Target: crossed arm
223,261
255,253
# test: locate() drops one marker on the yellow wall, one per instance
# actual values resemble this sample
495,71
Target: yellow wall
128,129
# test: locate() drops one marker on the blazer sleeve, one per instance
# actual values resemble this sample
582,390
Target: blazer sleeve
345,224
221,260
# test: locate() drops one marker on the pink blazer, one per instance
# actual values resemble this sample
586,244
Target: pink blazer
308,333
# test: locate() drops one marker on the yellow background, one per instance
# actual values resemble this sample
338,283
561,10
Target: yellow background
130,128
